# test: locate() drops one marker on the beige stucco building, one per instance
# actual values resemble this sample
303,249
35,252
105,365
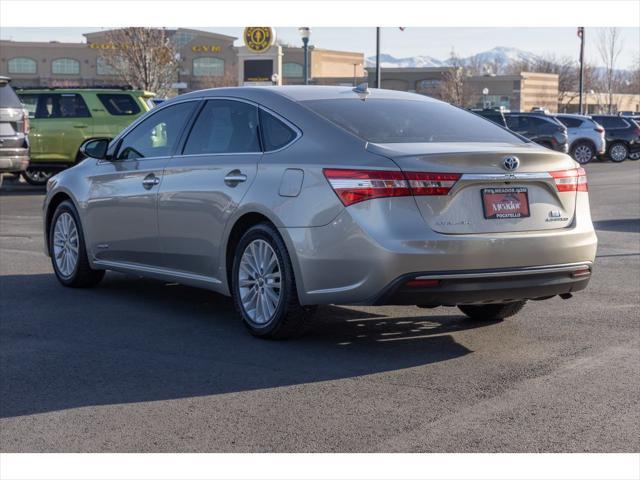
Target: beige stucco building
206,60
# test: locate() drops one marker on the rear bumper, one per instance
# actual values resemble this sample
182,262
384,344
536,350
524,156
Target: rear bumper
14,159
485,286
366,253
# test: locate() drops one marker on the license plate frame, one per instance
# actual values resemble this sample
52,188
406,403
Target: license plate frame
509,194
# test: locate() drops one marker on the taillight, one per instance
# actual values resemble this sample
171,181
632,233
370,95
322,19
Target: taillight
431,183
353,186
599,129
570,180
25,121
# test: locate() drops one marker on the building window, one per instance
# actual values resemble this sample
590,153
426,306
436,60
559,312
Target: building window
65,66
22,65
292,70
103,67
208,66
180,39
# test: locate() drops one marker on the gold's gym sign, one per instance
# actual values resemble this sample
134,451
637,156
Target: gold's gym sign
258,39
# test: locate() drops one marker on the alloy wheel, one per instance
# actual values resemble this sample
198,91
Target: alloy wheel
259,281
38,176
66,244
618,152
583,154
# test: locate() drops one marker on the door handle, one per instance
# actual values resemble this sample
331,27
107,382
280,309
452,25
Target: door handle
234,177
80,126
150,181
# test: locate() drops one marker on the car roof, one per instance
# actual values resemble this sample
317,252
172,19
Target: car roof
80,90
300,93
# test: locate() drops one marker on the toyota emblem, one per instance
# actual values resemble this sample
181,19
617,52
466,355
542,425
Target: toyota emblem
510,163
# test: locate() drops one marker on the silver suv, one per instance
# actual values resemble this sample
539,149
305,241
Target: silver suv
290,197
586,137
14,127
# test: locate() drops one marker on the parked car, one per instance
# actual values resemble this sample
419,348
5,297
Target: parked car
622,134
495,115
290,197
540,128
14,129
63,118
586,137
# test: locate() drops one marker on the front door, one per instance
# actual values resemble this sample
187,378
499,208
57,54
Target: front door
204,184
121,211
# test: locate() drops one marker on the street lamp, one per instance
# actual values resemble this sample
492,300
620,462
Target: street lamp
305,33
485,92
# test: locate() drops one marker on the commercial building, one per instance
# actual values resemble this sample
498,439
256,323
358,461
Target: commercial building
206,60
519,92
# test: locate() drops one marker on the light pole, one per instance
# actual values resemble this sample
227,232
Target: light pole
485,92
305,33
378,70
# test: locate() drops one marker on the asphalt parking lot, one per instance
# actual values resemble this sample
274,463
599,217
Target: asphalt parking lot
138,365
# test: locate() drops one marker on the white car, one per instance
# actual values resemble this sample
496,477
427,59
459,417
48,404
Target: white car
586,137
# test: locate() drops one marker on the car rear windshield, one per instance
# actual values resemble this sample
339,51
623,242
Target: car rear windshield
409,121
8,98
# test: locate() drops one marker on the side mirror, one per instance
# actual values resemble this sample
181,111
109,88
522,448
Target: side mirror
95,148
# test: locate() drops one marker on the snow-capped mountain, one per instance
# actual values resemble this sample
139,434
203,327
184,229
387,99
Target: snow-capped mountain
497,57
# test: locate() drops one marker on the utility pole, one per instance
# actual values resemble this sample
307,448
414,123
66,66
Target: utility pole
378,72
581,35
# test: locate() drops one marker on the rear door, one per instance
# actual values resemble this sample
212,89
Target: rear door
204,184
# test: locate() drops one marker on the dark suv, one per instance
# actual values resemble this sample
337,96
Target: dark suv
622,134
496,116
540,128
14,126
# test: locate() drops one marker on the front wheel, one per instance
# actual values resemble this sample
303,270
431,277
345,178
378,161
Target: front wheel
583,153
264,287
36,177
68,251
618,152
492,311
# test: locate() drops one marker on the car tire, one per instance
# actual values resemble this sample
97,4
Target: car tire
618,152
492,311
67,249
268,309
634,156
36,177
583,152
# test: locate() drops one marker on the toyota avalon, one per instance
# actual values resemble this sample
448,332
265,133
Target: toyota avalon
289,197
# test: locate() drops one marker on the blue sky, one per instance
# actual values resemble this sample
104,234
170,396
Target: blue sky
433,41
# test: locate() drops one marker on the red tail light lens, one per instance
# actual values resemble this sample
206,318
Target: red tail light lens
599,129
431,183
570,180
353,186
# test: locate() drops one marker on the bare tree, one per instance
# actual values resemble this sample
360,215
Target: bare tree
144,58
610,45
453,87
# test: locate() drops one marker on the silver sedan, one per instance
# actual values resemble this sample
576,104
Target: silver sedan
290,197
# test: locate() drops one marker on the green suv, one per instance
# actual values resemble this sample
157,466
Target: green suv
62,119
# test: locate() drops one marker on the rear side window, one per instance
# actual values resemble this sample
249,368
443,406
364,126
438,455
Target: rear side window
224,126
611,122
119,103
570,122
8,98
275,134
409,121
57,105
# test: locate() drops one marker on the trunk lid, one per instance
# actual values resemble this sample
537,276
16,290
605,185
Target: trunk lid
485,184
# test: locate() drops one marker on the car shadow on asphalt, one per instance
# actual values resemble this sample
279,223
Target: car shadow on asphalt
626,225
136,340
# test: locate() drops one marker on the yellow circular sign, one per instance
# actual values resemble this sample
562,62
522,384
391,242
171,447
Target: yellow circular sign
258,39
